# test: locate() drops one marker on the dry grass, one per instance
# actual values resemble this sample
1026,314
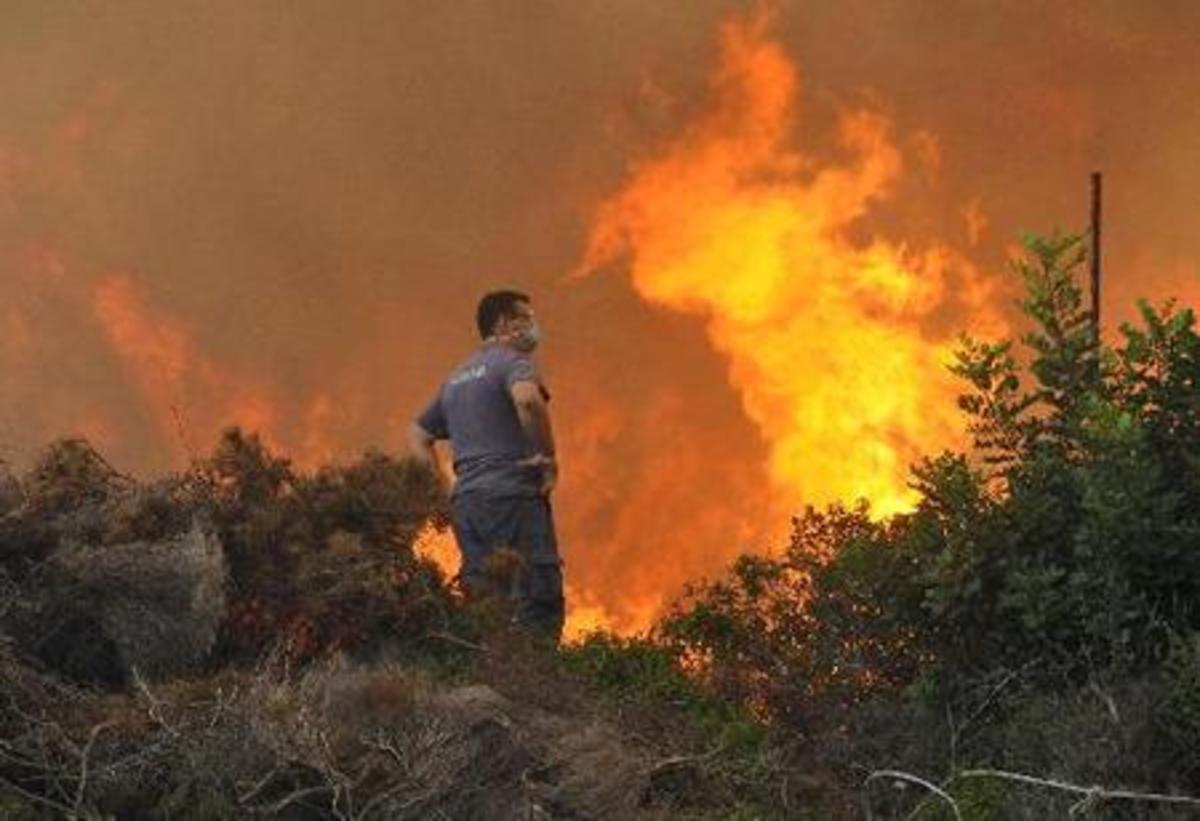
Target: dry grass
192,648
337,741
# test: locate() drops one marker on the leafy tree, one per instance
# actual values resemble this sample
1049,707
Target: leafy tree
1068,539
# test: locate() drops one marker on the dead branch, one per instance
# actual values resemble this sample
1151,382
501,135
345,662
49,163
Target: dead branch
81,788
383,746
1107,700
155,708
292,798
683,760
450,638
908,777
382,796
245,798
1090,794
35,798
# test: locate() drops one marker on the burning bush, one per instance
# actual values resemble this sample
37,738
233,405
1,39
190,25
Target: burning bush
323,561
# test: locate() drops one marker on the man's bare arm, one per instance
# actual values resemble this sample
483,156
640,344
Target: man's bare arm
534,416
420,445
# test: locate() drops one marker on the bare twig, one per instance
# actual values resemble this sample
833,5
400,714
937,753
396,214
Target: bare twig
10,753
34,797
379,798
258,787
1089,793
1107,700
221,703
681,760
292,798
339,782
115,474
415,801
155,708
450,638
902,776
387,747
52,774
956,732
81,788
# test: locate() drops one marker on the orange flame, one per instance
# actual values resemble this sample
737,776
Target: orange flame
171,373
585,614
184,387
830,342
439,547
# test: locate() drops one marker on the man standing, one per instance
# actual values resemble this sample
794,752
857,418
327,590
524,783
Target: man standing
493,410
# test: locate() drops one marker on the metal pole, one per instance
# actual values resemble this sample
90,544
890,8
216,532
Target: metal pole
1095,255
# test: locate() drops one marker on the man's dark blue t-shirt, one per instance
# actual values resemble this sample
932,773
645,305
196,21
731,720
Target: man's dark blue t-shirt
475,411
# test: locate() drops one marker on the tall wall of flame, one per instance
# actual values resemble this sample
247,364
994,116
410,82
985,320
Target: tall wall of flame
825,336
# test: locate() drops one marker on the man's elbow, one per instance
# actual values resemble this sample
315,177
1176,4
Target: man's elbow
527,406
531,412
527,398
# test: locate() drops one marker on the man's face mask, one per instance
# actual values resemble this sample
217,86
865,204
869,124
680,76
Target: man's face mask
525,332
528,336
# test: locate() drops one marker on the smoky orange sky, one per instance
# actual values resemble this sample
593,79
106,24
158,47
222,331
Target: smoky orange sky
281,214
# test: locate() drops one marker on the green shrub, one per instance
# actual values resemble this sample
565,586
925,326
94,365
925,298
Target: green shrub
642,671
1062,551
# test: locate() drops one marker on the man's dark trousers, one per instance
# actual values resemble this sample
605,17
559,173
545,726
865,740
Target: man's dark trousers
485,523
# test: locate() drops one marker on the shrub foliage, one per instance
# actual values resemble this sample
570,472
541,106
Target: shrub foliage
1061,553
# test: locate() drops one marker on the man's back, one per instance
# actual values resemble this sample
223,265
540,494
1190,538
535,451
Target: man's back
474,410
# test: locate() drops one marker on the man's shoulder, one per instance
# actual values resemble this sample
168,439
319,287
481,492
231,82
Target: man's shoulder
497,365
499,353
472,368
484,361
504,359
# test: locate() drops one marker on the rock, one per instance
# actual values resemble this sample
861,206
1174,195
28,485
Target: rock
100,612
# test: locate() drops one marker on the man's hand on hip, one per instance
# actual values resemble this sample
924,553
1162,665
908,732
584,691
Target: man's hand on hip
548,465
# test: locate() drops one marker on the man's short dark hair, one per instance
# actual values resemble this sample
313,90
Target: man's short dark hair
494,307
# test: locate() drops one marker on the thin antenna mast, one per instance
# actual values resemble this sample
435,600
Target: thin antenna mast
1095,253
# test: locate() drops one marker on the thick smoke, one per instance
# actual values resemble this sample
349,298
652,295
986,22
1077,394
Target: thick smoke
281,214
